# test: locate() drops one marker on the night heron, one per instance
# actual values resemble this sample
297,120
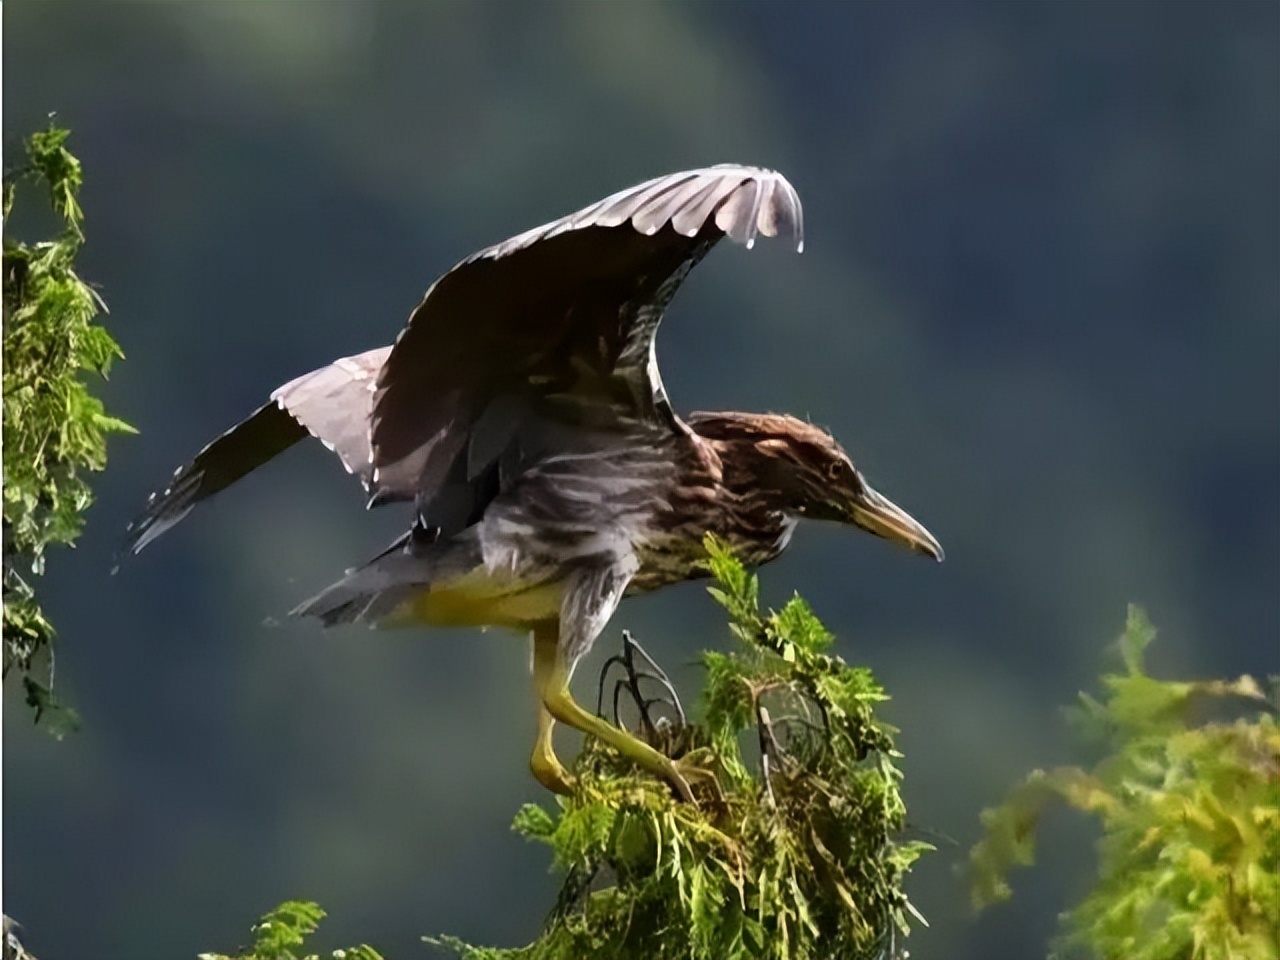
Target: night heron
522,413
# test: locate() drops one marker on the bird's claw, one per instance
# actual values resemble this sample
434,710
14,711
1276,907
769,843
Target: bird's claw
551,773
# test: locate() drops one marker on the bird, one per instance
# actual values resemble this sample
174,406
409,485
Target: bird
522,413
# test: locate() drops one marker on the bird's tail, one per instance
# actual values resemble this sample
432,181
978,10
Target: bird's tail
371,593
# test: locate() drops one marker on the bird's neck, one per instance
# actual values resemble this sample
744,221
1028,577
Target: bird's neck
743,470
753,510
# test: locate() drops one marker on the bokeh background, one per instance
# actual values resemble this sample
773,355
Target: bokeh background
1040,302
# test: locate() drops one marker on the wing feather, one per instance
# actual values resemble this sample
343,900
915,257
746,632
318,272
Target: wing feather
562,317
654,211
739,215
332,404
526,348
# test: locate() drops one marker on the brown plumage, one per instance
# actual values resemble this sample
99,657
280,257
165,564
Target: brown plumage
523,414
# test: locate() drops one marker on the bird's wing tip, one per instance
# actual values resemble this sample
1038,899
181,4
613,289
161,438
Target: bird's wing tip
762,203
742,201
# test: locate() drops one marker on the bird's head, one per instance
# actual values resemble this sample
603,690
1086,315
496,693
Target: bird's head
804,472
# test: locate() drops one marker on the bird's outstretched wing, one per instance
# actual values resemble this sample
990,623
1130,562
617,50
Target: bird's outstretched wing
529,345
332,404
556,324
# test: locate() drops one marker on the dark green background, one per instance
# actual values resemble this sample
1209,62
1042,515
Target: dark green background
1039,303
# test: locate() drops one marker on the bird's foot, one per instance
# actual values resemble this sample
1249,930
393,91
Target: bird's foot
551,773
691,781
545,765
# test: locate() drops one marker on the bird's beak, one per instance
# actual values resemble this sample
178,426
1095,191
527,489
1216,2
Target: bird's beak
881,516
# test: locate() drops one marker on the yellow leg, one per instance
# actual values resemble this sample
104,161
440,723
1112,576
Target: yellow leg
552,682
547,768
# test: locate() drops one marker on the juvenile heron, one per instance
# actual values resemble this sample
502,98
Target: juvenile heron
521,411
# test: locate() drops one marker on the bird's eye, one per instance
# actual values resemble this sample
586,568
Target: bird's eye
837,470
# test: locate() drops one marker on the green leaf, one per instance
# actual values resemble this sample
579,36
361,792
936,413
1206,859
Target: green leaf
797,624
283,932
1189,807
1137,636
55,429
534,822
288,925
59,719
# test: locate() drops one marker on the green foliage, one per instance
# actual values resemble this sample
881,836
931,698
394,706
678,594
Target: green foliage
55,430
1189,860
282,935
797,856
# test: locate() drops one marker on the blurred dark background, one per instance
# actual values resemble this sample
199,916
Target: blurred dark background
1039,303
